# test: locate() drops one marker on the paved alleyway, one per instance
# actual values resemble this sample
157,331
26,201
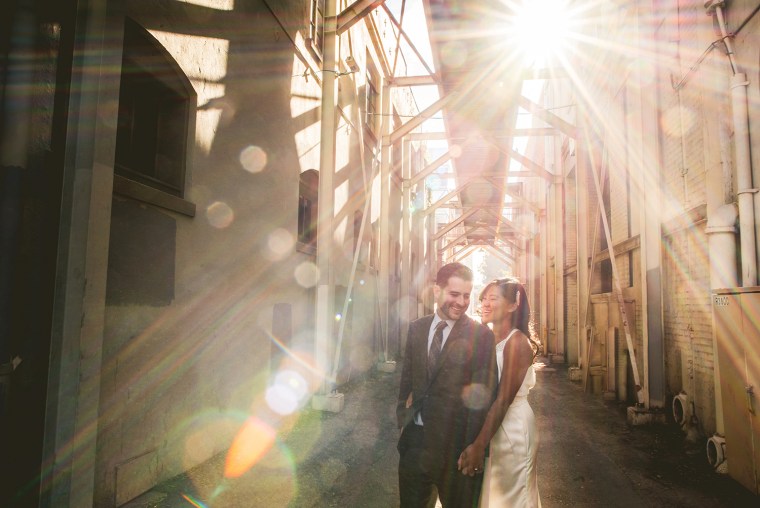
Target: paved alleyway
588,457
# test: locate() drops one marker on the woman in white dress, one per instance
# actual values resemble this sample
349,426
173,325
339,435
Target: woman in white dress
510,426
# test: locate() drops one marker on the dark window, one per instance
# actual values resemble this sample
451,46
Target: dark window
305,218
316,38
308,211
155,104
373,99
605,267
605,272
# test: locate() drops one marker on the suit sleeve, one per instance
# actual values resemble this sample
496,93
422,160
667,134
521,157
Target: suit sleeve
406,386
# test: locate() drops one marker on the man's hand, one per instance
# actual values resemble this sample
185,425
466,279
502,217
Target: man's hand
471,460
409,400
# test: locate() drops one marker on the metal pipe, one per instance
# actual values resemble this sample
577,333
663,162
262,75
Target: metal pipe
325,305
406,243
745,191
744,180
726,37
383,286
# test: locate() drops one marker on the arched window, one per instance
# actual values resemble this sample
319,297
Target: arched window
156,104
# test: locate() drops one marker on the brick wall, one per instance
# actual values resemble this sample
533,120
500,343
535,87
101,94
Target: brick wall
688,322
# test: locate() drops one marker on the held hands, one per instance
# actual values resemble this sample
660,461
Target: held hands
471,460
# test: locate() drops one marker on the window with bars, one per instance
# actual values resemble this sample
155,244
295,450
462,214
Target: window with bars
316,38
373,100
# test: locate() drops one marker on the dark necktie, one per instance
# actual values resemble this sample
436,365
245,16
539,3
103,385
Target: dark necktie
435,348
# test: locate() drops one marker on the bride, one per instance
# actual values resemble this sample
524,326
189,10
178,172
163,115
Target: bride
510,427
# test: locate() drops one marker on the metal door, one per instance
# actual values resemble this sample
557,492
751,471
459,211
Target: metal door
736,317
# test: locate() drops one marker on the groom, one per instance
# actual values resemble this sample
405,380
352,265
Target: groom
447,385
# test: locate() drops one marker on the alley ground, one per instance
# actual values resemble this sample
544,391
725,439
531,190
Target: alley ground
588,457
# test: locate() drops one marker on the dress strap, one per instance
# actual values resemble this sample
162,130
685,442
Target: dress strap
514,330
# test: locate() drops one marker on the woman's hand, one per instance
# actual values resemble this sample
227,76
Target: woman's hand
471,460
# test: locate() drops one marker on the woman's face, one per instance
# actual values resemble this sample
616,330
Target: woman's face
492,306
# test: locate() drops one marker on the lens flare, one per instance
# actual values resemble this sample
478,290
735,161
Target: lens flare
287,393
281,400
307,274
476,396
280,243
220,215
193,502
541,28
453,54
253,159
253,441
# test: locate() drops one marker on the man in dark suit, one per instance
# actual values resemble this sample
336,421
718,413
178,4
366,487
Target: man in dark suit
448,383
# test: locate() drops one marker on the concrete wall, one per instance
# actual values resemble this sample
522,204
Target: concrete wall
688,156
189,343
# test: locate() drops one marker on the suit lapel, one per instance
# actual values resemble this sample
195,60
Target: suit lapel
456,334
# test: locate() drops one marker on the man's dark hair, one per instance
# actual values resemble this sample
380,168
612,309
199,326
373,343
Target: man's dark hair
452,270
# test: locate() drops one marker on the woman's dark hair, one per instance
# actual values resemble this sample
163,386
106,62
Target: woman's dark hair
514,292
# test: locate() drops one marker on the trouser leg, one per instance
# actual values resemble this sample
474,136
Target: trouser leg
416,488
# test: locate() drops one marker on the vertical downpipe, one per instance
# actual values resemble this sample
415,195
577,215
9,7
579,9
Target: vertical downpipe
744,179
325,311
745,191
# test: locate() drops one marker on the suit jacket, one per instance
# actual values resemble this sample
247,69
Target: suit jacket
455,400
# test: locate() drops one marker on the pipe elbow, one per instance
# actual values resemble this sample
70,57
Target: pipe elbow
722,220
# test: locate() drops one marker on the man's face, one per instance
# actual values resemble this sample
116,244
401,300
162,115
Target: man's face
454,298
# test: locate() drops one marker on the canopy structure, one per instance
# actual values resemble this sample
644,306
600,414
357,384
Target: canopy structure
481,73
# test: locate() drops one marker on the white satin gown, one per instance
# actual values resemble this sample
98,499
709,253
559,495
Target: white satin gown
510,476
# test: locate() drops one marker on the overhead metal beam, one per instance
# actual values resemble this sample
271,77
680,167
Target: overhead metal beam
458,256
461,237
421,117
502,238
455,223
504,253
538,168
355,13
508,243
505,260
459,206
408,40
548,117
427,136
521,200
413,81
501,134
508,223
448,196
528,132
427,170
495,244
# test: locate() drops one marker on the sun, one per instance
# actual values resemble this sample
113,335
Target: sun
541,29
